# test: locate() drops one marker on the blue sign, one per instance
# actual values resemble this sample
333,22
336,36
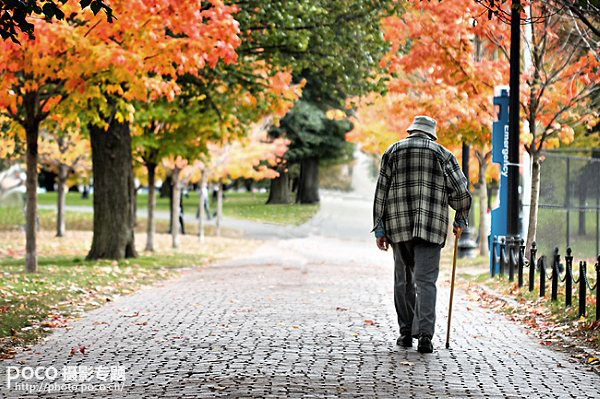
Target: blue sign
500,156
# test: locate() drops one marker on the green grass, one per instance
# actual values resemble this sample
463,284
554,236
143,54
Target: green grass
31,305
552,229
251,206
241,205
82,221
11,216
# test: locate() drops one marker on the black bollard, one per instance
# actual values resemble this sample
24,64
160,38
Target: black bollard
532,266
557,260
494,246
542,265
582,288
555,275
598,289
569,279
502,256
521,262
511,264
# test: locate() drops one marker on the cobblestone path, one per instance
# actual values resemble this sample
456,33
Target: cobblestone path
309,317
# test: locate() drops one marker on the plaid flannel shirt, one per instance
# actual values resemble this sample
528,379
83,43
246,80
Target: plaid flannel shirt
418,179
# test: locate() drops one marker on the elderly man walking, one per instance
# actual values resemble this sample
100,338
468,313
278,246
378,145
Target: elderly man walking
418,179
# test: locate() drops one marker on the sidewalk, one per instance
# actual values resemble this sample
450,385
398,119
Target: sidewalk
308,317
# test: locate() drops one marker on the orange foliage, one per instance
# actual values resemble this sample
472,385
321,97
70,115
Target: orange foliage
433,54
253,157
69,149
447,57
73,62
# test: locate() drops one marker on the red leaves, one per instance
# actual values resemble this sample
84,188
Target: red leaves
74,350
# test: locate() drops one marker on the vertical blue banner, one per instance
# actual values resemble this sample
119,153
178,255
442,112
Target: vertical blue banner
500,156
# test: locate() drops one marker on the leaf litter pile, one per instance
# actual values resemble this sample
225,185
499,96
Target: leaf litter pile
551,323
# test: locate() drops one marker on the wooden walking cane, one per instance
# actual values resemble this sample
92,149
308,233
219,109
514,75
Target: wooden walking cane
452,288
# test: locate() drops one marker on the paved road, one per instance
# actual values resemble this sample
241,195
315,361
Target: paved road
309,317
308,314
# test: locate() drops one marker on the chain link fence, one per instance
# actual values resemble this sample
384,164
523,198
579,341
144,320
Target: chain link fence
569,205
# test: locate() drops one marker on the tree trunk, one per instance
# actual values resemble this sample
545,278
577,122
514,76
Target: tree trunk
219,207
62,194
113,192
280,189
151,226
32,133
201,204
248,184
176,190
134,205
165,188
535,194
86,191
308,187
483,202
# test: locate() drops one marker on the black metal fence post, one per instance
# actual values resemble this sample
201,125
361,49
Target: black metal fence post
598,289
542,266
569,279
521,262
555,275
494,247
582,288
532,266
502,256
567,202
511,263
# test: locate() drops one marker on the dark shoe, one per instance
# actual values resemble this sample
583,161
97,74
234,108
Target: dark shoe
404,340
425,345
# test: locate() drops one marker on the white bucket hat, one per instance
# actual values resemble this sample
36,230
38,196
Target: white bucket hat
424,124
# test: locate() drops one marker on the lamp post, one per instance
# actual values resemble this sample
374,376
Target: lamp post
467,247
513,121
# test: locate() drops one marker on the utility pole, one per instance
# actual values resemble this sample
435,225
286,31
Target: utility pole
513,122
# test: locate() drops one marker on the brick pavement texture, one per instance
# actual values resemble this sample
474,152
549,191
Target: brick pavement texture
288,321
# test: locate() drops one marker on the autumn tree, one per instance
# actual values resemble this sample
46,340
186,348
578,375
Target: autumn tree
559,85
216,105
444,67
86,68
448,59
255,156
67,154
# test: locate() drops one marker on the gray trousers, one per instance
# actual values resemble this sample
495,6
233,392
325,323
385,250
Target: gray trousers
417,265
